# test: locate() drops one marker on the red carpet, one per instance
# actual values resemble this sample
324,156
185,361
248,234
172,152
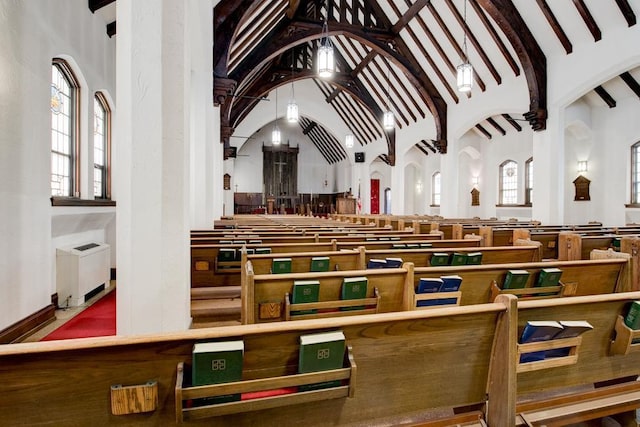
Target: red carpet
97,320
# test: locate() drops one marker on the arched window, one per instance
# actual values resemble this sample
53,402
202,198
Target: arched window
64,130
435,189
387,201
509,183
528,181
635,173
101,147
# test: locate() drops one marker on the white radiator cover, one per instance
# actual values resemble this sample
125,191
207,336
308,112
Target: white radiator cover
80,269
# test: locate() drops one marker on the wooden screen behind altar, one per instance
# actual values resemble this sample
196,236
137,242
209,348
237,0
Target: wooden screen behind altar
280,173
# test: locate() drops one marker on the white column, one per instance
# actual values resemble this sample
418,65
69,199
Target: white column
202,141
219,206
152,136
397,186
449,190
548,170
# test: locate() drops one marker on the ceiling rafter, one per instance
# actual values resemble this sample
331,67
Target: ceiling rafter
591,24
606,96
627,12
445,29
483,131
323,87
411,13
555,25
419,147
495,37
512,122
631,82
94,5
496,126
474,41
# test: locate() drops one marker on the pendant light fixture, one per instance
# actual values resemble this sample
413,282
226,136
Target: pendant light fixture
276,137
326,61
349,141
292,107
465,70
388,120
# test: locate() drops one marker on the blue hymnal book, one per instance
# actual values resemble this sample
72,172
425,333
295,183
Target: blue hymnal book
376,263
450,283
534,331
393,262
429,285
439,301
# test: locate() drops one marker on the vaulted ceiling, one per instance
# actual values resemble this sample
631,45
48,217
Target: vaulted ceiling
402,55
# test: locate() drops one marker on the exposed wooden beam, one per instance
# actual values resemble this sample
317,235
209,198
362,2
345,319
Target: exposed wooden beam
323,87
555,26
606,97
495,124
293,8
483,131
454,43
631,82
309,127
627,12
512,122
98,4
111,29
429,146
419,147
474,41
496,38
411,13
333,94
584,12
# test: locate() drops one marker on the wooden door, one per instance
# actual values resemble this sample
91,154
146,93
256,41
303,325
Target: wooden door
375,196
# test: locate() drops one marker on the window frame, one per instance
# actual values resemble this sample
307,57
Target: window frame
67,73
501,183
635,172
105,169
436,194
528,181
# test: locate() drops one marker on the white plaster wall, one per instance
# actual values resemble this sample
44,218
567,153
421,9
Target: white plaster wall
32,34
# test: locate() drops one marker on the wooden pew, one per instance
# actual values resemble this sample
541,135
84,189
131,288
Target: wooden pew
387,245
490,255
587,277
562,391
443,367
265,296
301,261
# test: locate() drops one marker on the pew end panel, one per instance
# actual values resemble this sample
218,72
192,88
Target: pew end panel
593,365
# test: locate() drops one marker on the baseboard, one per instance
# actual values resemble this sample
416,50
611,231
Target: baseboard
29,323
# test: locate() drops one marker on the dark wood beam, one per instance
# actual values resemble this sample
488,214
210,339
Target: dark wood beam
483,131
584,12
555,26
98,4
445,29
512,122
495,124
627,12
293,8
411,13
496,38
363,62
333,94
309,127
474,41
419,147
111,29
606,97
530,54
631,82
429,146
227,16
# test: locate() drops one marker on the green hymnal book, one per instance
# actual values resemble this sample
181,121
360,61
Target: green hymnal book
321,352
319,263
281,265
632,319
439,258
263,250
515,279
354,288
226,254
458,258
255,242
426,245
474,258
217,362
413,245
549,277
305,291
398,246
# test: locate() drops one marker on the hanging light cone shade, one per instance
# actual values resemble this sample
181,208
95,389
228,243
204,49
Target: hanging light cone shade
292,111
388,121
465,77
349,141
276,137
